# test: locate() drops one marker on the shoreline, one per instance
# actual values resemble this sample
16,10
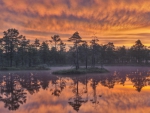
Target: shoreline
58,68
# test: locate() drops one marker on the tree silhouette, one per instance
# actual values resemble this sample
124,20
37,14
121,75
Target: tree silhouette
121,53
56,39
44,49
95,100
62,52
16,50
77,100
59,84
138,79
110,48
24,43
95,49
103,54
83,53
56,91
31,51
11,94
108,81
30,82
10,42
76,39
35,51
138,51
62,46
1,53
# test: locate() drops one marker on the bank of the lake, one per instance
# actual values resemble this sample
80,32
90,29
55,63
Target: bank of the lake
73,71
23,68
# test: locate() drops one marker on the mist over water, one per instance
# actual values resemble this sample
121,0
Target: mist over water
125,89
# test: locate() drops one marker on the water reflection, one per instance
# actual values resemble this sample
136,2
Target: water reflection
58,84
77,100
139,79
12,94
13,87
82,90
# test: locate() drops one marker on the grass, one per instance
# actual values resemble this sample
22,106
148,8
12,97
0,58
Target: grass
24,68
80,71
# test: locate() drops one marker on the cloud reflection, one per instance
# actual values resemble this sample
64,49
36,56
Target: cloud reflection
118,90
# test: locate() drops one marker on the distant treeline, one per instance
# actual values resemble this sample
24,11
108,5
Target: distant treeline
16,50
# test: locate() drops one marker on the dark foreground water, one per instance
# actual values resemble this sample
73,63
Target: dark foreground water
123,90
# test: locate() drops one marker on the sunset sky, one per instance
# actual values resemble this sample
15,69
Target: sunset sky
119,21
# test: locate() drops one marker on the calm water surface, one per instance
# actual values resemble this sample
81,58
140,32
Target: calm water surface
123,90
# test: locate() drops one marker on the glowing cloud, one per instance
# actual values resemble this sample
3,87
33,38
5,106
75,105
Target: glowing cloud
108,19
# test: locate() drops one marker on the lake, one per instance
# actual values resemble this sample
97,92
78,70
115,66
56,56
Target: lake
123,90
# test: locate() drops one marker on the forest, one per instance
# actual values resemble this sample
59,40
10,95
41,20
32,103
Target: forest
18,51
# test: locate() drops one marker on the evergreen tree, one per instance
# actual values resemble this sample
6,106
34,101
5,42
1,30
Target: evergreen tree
56,39
95,49
138,51
76,39
10,43
24,43
44,50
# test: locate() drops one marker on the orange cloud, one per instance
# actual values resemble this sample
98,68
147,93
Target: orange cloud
87,17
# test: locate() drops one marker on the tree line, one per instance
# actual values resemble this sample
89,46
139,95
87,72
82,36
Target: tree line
16,50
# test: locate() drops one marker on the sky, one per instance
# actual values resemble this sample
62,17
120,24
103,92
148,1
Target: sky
119,21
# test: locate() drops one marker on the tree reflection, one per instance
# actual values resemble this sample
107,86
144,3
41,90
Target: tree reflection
30,82
13,87
120,77
44,81
55,91
86,88
12,94
77,100
108,81
94,83
62,84
139,79
59,84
